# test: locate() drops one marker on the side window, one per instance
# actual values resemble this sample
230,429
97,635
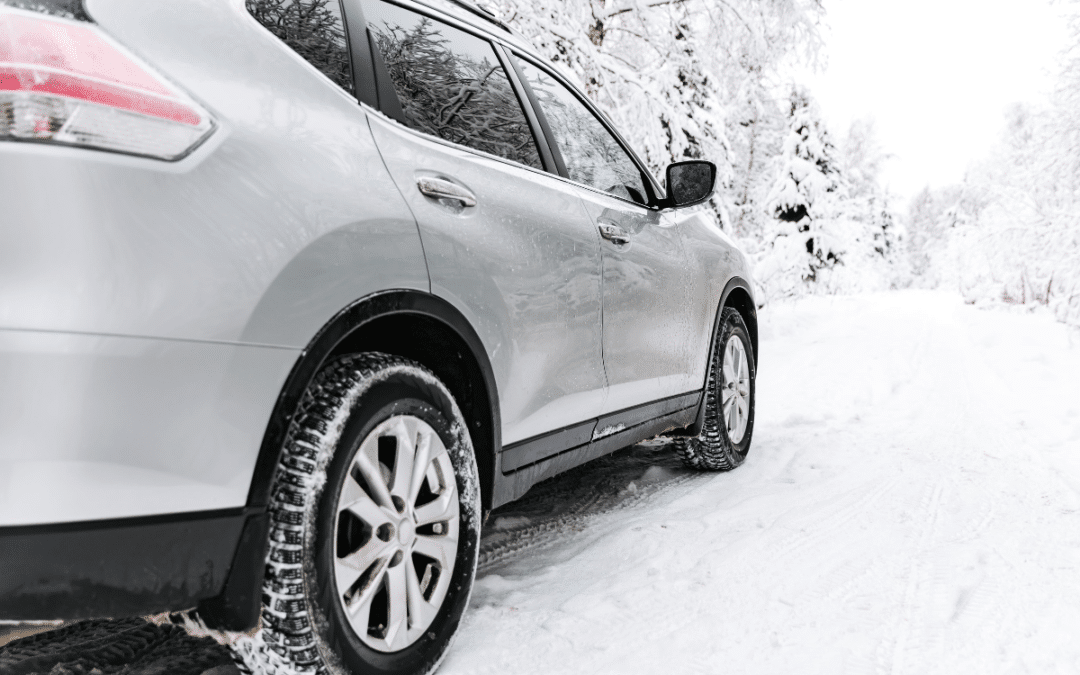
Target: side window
313,29
450,83
591,154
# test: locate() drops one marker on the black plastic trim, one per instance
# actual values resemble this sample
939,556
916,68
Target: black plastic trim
752,321
237,606
525,453
389,103
559,167
632,417
540,447
348,320
352,13
119,567
642,431
515,484
541,134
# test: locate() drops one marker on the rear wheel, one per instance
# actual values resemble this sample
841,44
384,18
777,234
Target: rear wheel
376,524
728,427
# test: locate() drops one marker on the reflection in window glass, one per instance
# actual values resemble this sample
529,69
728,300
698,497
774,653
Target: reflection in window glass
591,154
313,29
451,84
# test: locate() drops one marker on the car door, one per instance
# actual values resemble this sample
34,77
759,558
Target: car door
506,242
646,298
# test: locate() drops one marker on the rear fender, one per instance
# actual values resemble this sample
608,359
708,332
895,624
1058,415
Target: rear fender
366,325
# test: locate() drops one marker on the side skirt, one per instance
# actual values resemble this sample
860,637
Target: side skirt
524,464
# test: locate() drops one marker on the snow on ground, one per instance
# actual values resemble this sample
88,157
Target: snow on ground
910,505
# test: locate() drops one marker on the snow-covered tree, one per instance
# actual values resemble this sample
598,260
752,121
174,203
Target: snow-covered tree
832,227
700,79
681,78
1009,232
804,203
862,160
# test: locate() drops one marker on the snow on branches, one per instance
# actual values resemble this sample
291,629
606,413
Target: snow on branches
678,77
687,79
1009,233
831,229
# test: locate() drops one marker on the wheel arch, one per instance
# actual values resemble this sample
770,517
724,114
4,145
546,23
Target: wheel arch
738,295
408,323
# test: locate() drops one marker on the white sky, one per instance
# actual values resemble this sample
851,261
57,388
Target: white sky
935,75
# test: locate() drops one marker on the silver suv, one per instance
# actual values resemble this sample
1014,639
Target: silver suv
293,293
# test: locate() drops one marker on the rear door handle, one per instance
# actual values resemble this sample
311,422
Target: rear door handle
614,233
440,188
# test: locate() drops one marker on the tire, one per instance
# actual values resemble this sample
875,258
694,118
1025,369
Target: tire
722,446
363,574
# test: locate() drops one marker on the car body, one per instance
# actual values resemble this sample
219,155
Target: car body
161,318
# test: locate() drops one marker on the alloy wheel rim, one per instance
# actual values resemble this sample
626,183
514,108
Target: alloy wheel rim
396,533
735,389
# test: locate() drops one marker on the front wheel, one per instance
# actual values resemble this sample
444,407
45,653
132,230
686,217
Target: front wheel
376,525
728,427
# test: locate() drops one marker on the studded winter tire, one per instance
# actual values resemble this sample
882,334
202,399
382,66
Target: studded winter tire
375,525
728,427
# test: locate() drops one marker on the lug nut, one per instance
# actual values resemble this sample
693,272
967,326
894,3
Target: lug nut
384,532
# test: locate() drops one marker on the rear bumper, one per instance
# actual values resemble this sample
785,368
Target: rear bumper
128,567
99,427
125,468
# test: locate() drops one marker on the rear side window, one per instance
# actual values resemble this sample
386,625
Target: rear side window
450,83
313,29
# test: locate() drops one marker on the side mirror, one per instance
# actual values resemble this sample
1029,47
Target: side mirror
690,183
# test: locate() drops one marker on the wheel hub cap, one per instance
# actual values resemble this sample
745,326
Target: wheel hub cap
735,389
406,533
396,533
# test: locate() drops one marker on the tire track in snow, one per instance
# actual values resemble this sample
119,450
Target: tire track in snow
823,525
956,442
893,653
613,483
905,649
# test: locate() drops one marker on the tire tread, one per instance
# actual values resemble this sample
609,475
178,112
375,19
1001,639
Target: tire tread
711,450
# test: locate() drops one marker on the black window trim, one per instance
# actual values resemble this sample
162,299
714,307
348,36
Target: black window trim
387,102
354,95
558,163
541,134
651,185
380,95
358,43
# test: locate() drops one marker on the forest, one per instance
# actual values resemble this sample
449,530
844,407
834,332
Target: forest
710,79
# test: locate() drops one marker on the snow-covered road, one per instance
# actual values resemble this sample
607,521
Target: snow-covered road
910,505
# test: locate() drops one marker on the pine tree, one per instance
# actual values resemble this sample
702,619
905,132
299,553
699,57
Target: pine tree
680,78
805,196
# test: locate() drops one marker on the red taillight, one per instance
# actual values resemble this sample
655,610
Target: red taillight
67,82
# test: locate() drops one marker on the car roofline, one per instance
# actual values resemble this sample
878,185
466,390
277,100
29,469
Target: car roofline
489,24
